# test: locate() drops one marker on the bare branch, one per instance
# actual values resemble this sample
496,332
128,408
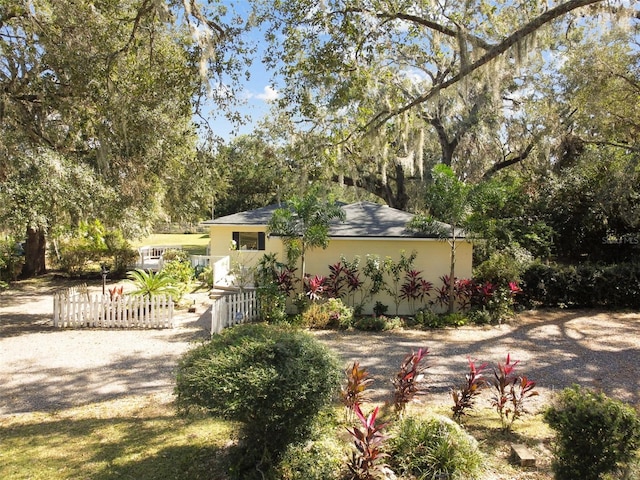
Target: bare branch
508,162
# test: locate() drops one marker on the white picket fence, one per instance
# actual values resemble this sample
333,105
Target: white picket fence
76,307
232,309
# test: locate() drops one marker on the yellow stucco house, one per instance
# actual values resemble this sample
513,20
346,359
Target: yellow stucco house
368,229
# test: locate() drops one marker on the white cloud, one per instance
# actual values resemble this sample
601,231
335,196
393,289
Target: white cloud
269,94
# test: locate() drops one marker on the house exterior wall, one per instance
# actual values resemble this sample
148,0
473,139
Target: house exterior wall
220,245
433,260
432,256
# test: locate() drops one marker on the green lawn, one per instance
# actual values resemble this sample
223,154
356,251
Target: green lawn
140,440
143,439
194,243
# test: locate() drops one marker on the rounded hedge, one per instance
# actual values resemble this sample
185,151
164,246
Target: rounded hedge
594,434
273,379
435,447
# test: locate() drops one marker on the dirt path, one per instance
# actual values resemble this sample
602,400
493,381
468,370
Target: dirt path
44,368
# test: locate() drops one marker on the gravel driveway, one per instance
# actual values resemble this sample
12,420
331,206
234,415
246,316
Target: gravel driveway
46,369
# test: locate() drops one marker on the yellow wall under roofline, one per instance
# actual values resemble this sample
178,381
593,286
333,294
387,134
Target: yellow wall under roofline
433,255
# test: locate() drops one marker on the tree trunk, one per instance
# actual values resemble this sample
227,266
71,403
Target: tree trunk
35,250
452,272
398,199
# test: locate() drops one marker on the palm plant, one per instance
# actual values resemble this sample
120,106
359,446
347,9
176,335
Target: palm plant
303,223
151,284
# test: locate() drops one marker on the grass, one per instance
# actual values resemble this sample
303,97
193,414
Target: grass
124,439
143,439
193,243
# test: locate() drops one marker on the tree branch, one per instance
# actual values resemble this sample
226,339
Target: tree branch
508,162
495,51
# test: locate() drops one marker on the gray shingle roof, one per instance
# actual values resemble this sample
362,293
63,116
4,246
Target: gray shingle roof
257,217
363,219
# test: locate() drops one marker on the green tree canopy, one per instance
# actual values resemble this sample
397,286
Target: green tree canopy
303,223
386,90
106,90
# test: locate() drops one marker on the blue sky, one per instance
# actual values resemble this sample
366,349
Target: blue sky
256,94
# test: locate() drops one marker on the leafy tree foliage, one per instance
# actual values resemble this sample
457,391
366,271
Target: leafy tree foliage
448,199
594,206
252,169
396,89
304,224
505,213
107,89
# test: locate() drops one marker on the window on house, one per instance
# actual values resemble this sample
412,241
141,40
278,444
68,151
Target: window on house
249,240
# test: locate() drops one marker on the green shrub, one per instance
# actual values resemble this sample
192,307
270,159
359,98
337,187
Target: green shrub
176,263
503,267
584,286
319,458
272,302
80,246
428,319
205,276
455,319
122,259
480,316
371,323
380,309
75,254
595,435
121,254
272,379
330,314
11,259
435,447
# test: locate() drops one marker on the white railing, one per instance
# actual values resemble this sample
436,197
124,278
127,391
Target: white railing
200,260
150,257
220,266
78,308
232,309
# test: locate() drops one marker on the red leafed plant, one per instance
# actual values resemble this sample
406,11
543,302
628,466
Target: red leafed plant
407,381
315,287
367,463
335,283
511,391
115,293
285,279
514,288
415,288
353,393
464,397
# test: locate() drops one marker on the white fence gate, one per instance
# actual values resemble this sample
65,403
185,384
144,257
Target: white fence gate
76,307
232,309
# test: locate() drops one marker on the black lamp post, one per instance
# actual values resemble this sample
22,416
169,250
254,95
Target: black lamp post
105,272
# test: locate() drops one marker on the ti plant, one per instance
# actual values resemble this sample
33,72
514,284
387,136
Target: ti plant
315,287
511,391
116,293
367,461
464,398
353,393
407,381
